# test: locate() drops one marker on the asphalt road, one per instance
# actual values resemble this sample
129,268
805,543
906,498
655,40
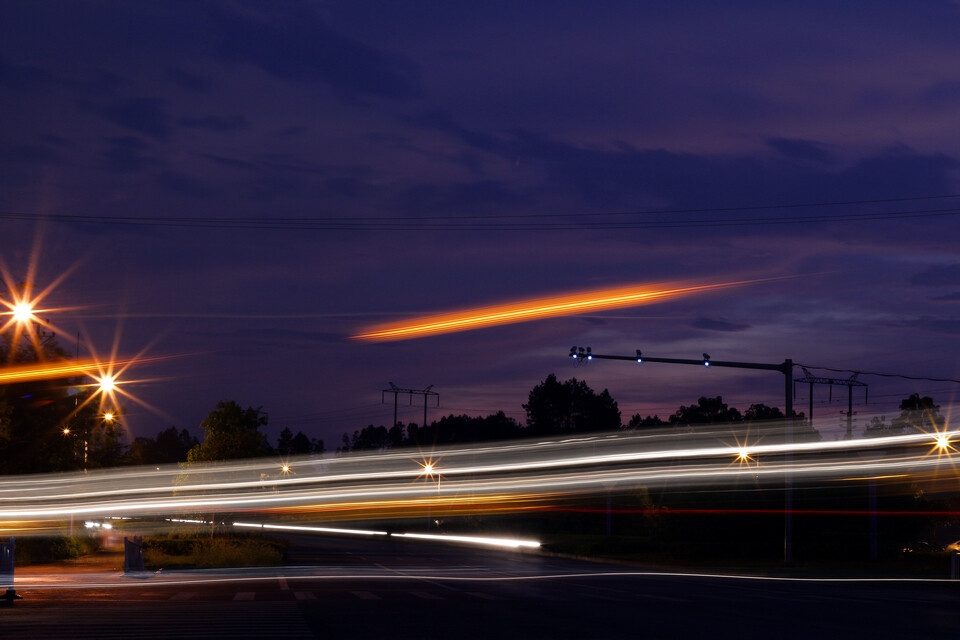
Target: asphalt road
361,588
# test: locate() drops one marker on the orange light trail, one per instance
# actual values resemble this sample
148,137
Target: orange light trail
64,369
47,371
537,309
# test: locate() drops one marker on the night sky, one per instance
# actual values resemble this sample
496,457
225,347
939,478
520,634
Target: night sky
245,185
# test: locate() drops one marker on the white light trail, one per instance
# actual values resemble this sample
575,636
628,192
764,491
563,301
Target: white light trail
290,527
472,476
509,543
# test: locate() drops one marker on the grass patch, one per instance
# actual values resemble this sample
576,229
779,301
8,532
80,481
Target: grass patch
203,552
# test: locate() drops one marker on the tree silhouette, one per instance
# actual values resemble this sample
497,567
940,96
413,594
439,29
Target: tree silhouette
636,422
706,411
555,407
917,415
231,433
171,445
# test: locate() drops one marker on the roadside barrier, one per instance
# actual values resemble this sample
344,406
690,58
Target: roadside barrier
133,554
7,553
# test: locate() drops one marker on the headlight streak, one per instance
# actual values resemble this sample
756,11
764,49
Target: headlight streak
278,527
526,471
510,543
117,478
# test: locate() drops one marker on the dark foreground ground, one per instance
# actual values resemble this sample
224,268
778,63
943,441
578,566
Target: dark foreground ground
359,588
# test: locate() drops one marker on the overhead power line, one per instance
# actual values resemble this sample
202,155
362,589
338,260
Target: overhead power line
883,375
526,222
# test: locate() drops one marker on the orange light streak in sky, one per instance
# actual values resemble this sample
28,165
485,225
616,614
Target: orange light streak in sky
536,309
64,369
47,371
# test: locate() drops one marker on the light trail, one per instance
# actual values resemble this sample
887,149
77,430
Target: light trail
537,309
89,367
510,543
47,371
485,479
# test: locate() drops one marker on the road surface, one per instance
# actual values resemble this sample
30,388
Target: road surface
360,588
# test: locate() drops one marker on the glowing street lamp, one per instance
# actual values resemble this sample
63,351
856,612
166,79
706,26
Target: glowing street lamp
107,384
22,312
943,443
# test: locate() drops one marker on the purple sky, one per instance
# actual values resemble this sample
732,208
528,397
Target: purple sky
122,125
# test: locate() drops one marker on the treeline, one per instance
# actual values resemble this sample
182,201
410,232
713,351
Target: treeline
555,408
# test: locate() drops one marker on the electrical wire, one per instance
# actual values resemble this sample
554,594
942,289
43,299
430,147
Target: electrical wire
521,222
882,375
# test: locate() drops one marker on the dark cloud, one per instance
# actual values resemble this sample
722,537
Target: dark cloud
15,76
273,185
938,275
293,43
946,94
949,326
143,115
622,176
217,124
479,140
189,81
102,83
297,130
718,324
30,153
802,150
184,185
460,197
233,163
950,297
57,141
346,187
127,154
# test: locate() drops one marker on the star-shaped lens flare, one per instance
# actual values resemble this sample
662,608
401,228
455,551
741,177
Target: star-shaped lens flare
428,470
19,306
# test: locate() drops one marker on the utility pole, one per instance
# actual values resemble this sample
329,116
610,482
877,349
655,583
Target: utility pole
849,383
396,391
785,367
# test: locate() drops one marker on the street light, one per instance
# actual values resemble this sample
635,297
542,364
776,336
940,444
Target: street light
107,383
943,442
23,312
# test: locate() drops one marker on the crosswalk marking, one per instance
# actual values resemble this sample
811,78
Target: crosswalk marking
483,596
304,595
245,595
183,595
283,584
425,595
366,595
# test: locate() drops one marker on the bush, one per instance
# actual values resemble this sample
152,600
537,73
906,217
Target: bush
53,549
202,551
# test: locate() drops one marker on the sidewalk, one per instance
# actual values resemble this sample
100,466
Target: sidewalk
108,561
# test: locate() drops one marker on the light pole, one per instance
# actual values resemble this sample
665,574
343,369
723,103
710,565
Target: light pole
785,367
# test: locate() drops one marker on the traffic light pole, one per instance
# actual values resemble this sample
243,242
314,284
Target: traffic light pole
785,367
